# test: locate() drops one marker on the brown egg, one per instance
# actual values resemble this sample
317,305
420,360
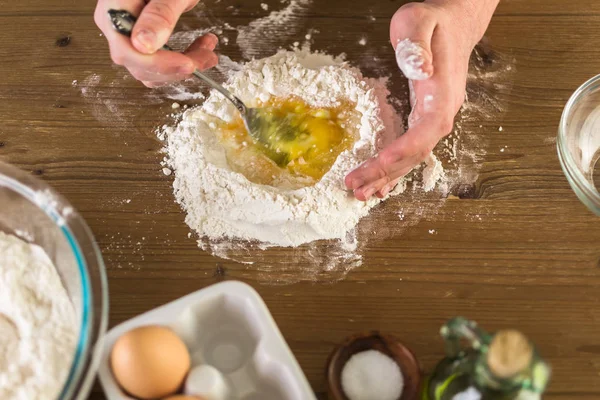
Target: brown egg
150,362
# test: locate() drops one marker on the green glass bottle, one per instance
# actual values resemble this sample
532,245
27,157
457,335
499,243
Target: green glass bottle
504,366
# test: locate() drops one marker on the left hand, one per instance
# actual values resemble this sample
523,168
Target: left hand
444,39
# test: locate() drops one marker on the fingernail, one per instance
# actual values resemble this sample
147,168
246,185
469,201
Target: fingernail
385,191
186,68
369,192
356,183
147,39
213,40
210,61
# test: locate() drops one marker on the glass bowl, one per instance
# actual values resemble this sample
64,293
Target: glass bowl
578,143
36,213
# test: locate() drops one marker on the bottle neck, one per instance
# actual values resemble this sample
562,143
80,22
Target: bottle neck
485,379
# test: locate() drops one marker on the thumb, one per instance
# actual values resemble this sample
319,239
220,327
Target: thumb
156,23
411,32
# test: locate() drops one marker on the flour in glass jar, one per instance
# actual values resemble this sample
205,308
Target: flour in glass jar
38,324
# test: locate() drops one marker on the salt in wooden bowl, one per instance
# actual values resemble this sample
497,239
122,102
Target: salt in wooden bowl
385,344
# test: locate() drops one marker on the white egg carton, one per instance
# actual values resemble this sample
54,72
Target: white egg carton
229,327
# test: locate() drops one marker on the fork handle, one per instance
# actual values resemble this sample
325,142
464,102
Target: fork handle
123,22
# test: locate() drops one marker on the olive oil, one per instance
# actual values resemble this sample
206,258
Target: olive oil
504,366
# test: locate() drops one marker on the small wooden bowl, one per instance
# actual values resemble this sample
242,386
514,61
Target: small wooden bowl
387,345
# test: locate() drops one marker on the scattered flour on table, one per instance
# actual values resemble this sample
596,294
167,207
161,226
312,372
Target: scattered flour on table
268,32
110,104
221,203
38,324
409,56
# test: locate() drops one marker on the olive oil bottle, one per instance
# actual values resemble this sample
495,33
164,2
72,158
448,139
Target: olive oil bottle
503,366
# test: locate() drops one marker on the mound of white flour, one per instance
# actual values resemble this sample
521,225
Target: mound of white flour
38,324
221,203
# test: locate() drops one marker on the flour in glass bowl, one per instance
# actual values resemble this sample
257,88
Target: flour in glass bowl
38,324
223,203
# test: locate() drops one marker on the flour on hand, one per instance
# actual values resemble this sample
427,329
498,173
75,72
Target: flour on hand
409,56
38,324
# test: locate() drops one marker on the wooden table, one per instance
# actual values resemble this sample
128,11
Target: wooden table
515,249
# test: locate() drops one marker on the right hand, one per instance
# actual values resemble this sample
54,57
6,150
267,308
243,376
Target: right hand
141,53
445,32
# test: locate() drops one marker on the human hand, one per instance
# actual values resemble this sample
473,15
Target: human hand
141,53
433,42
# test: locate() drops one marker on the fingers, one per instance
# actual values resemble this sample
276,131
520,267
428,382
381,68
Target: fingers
387,188
155,24
201,52
156,67
208,42
385,183
169,65
381,173
153,79
411,31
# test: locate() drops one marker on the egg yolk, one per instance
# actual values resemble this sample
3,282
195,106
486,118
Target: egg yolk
311,141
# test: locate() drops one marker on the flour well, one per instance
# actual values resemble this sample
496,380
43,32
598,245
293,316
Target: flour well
221,203
38,324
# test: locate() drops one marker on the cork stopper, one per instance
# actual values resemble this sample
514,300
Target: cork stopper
509,354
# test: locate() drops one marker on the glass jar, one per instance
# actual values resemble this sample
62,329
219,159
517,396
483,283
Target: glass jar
578,143
32,210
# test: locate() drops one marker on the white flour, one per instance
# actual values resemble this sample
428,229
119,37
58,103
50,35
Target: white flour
221,203
409,56
38,326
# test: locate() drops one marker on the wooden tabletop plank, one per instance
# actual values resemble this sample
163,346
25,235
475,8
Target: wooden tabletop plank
512,248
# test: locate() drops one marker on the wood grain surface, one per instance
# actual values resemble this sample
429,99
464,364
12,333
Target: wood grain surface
512,248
